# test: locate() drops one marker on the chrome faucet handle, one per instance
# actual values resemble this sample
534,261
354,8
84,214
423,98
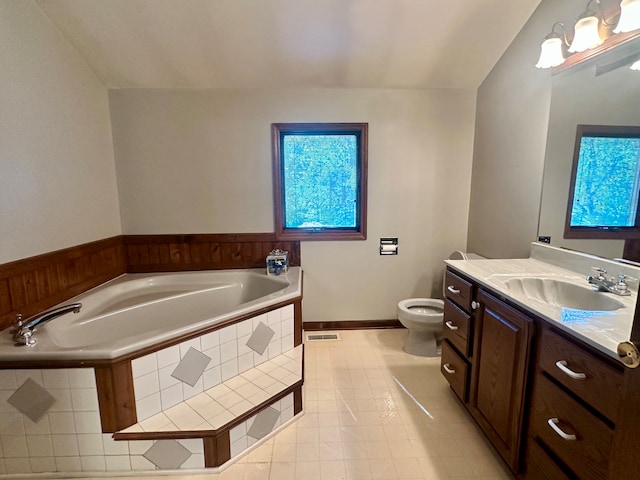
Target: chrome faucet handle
621,285
601,272
623,278
23,336
19,325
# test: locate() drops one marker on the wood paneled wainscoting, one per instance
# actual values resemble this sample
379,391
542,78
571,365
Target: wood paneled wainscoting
34,284
170,253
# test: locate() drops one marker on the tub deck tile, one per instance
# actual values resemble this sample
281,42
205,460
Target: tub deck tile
217,406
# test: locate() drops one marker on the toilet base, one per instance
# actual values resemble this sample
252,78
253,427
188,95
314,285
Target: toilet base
423,344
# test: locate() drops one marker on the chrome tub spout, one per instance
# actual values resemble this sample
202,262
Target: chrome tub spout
25,329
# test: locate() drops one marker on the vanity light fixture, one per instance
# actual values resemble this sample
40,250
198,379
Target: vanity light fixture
595,39
552,49
629,16
586,33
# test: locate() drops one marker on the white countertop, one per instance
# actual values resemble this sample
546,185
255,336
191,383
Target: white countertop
602,330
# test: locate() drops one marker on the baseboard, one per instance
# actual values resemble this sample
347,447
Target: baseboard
351,325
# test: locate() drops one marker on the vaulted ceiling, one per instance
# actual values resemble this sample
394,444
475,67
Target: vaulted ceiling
290,43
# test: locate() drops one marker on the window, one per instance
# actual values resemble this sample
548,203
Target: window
605,183
320,180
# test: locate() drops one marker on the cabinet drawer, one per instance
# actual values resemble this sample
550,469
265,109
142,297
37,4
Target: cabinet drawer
456,326
598,383
454,369
540,466
554,414
458,290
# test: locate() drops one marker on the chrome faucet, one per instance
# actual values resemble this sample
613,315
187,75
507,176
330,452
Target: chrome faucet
604,284
23,334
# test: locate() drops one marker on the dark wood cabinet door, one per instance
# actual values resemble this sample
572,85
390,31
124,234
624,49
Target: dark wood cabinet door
501,363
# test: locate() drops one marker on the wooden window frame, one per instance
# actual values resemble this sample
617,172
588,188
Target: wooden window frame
278,130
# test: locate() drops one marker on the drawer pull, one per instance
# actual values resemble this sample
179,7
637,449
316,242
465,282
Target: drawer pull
448,369
562,365
453,290
451,326
553,423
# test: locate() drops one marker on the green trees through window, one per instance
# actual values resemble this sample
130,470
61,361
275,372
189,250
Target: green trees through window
320,181
607,182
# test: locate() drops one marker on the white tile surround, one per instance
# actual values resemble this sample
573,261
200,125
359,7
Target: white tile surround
68,436
157,390
240,437
214,407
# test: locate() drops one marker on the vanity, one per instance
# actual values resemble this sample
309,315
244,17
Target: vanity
530,349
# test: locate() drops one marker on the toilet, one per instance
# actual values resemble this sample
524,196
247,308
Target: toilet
422,317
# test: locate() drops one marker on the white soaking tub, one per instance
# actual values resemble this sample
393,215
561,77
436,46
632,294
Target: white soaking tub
137,311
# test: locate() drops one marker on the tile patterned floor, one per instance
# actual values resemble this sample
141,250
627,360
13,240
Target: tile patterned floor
372,412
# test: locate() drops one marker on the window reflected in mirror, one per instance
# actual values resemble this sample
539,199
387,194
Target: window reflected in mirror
605,183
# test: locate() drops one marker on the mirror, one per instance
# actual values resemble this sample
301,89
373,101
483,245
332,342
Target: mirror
580,97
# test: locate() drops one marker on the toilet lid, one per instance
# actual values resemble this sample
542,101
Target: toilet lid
457,255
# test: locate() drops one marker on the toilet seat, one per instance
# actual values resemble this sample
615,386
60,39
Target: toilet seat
408,310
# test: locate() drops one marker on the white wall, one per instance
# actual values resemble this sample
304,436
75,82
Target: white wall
57,175
510,141
199,161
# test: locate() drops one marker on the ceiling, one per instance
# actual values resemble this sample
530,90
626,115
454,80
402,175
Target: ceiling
290,43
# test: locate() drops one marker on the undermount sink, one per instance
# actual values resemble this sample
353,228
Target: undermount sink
559,293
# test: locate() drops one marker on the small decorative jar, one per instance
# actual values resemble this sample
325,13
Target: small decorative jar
277,262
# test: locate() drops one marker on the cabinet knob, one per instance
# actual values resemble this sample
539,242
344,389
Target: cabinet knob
475,305
629,354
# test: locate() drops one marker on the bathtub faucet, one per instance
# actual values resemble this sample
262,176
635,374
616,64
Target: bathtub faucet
23,334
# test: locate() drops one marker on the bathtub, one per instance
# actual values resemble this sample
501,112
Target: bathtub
136,311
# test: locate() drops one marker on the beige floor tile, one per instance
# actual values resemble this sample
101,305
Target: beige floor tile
331,451
355,451
378,450
282,470
407,467
332,470
256,471
309,419
284,452
383,469
307,470
308,452
358,470
329,434
308,435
